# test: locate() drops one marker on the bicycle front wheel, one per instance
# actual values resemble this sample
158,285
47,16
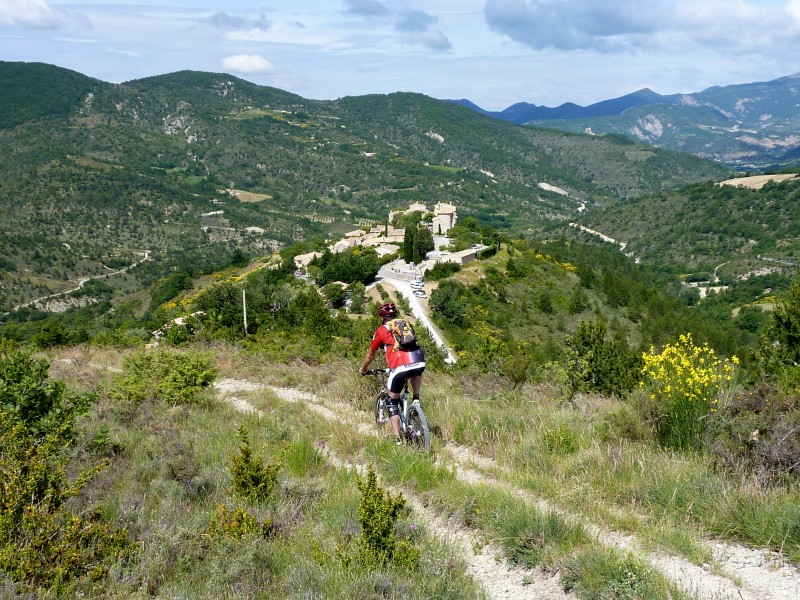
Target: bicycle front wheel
419,433
381,414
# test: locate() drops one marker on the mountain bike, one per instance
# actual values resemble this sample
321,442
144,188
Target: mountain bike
413,423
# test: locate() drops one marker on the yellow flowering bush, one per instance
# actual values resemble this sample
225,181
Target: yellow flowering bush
688,380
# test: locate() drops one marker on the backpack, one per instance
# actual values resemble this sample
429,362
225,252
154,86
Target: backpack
404,337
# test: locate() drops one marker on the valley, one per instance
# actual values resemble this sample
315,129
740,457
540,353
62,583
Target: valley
609,330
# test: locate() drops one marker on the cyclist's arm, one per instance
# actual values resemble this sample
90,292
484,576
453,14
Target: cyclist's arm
367,359
374,346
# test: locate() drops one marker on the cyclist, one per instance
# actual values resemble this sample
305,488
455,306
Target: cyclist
403,365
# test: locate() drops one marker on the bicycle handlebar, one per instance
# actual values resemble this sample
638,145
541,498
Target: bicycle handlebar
377,372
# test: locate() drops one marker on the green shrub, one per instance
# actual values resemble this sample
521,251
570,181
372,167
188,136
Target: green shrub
598,364
42,544
561,439
251,478
442,270
120,338
377,514
623,422
238,523
171,376
29,396
687,381
597,574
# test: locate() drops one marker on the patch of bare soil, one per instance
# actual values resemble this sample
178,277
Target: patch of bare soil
756,182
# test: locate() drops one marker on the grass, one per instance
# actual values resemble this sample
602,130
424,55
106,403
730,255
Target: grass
173,472
171,468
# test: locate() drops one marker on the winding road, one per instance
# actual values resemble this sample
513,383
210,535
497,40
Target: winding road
81,282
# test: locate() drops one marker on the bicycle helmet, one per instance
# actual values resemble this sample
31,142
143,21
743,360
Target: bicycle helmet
387,309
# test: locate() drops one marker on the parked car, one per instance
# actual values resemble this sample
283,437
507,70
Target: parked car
418,285
420,294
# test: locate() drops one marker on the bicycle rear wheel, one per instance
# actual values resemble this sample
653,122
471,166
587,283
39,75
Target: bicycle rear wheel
419,435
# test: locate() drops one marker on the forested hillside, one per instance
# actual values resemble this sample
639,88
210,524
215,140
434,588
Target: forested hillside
98,174
708,230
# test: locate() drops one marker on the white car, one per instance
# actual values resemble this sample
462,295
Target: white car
417,285
420,294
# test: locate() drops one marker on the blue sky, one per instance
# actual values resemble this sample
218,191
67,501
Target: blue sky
493,52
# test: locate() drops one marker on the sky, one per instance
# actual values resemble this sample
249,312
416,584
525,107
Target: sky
493,52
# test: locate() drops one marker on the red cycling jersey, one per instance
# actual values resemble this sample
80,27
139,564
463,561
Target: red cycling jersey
394,358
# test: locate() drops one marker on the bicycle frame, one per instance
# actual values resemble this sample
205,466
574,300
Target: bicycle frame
413,423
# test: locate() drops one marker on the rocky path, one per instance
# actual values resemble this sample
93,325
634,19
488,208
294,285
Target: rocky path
738,572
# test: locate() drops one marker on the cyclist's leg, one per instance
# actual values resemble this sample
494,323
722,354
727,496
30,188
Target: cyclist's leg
392,405
394,388
416,384
393,408
417,423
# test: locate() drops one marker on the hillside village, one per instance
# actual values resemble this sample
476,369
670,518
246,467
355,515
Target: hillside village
387,239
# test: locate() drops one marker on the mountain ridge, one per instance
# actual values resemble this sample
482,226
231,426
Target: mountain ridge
752,126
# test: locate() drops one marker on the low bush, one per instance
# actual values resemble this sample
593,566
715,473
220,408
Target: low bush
43,544
175,377
442,270
238,523
687,382
377,514
600,573
594,363
28,395
251,478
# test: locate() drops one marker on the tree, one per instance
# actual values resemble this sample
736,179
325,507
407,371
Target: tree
578,301
780,345
223,305
335,294
417,242
238,259
448,301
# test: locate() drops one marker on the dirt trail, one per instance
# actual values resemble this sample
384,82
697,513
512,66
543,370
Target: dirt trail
739,573
485,561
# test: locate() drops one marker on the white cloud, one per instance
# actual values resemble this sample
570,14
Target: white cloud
793,8
620,25
247,63
31,13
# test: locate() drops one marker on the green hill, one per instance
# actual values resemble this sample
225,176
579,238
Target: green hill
701,227
33,91
110,171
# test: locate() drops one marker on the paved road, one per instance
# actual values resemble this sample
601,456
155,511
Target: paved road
404,288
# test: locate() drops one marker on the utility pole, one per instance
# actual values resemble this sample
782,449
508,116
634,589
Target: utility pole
244,310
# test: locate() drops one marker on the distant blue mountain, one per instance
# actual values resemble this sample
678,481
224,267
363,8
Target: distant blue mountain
747,126
524,112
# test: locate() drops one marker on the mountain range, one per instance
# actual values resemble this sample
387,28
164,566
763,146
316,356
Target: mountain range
95,174
744,126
